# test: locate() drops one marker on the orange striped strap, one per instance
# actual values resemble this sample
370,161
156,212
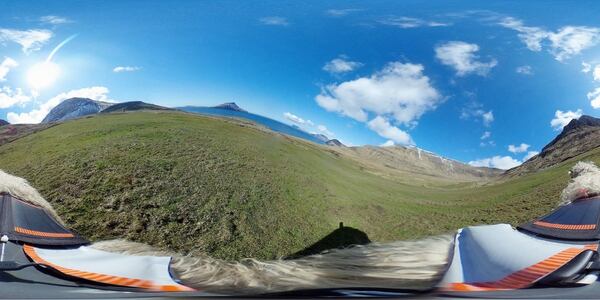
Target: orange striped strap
107,279
565,226
42,233
523,278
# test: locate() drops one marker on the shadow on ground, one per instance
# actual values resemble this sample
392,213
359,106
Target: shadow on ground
342,237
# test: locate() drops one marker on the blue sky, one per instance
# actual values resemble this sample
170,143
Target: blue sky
484,83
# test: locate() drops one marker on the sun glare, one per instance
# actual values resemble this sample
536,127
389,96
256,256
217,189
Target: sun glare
43,74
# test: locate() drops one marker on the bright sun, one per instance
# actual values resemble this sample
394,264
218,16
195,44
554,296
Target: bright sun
43,74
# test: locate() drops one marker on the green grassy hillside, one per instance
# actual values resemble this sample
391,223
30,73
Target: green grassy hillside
227,188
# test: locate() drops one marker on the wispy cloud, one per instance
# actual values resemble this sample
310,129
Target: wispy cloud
485,135
505,162
341,12
341,65
474,110
10,97
54,20
498,162
30,40
323,129
486,139
596,73
120,69
586,67
562,118
487,118
5,67
594,97
274,21
564,43
463,58
308,125
297,120
518,149
525,70
99,93
410,22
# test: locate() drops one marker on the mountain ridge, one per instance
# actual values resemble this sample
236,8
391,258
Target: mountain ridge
133,106
230,109
577,137
230,106
73,108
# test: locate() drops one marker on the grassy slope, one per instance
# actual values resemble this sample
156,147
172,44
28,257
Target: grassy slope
199,184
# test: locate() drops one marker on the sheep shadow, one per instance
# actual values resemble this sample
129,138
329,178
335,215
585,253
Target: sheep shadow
341,237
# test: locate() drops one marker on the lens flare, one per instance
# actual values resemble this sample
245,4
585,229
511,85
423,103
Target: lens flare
43,75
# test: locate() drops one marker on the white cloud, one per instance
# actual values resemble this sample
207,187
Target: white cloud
410,22
119,69
596,73
594,97
499,162
388,143
275,21
486,139
563,44
341,65
488,118
530,154
399,90
531,36
487,143
7,64
486,135
518,149
571,40
98,93
30,40
54,20
526,70
10,97
382,127
399,93
561,119
308,125
295,119
341,12
475,110
322,129
461,56
585,67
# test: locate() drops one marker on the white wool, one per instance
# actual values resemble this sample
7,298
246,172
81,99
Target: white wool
585,180
401,264
20,188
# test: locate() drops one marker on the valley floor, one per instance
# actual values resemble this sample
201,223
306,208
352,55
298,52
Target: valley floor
214,186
